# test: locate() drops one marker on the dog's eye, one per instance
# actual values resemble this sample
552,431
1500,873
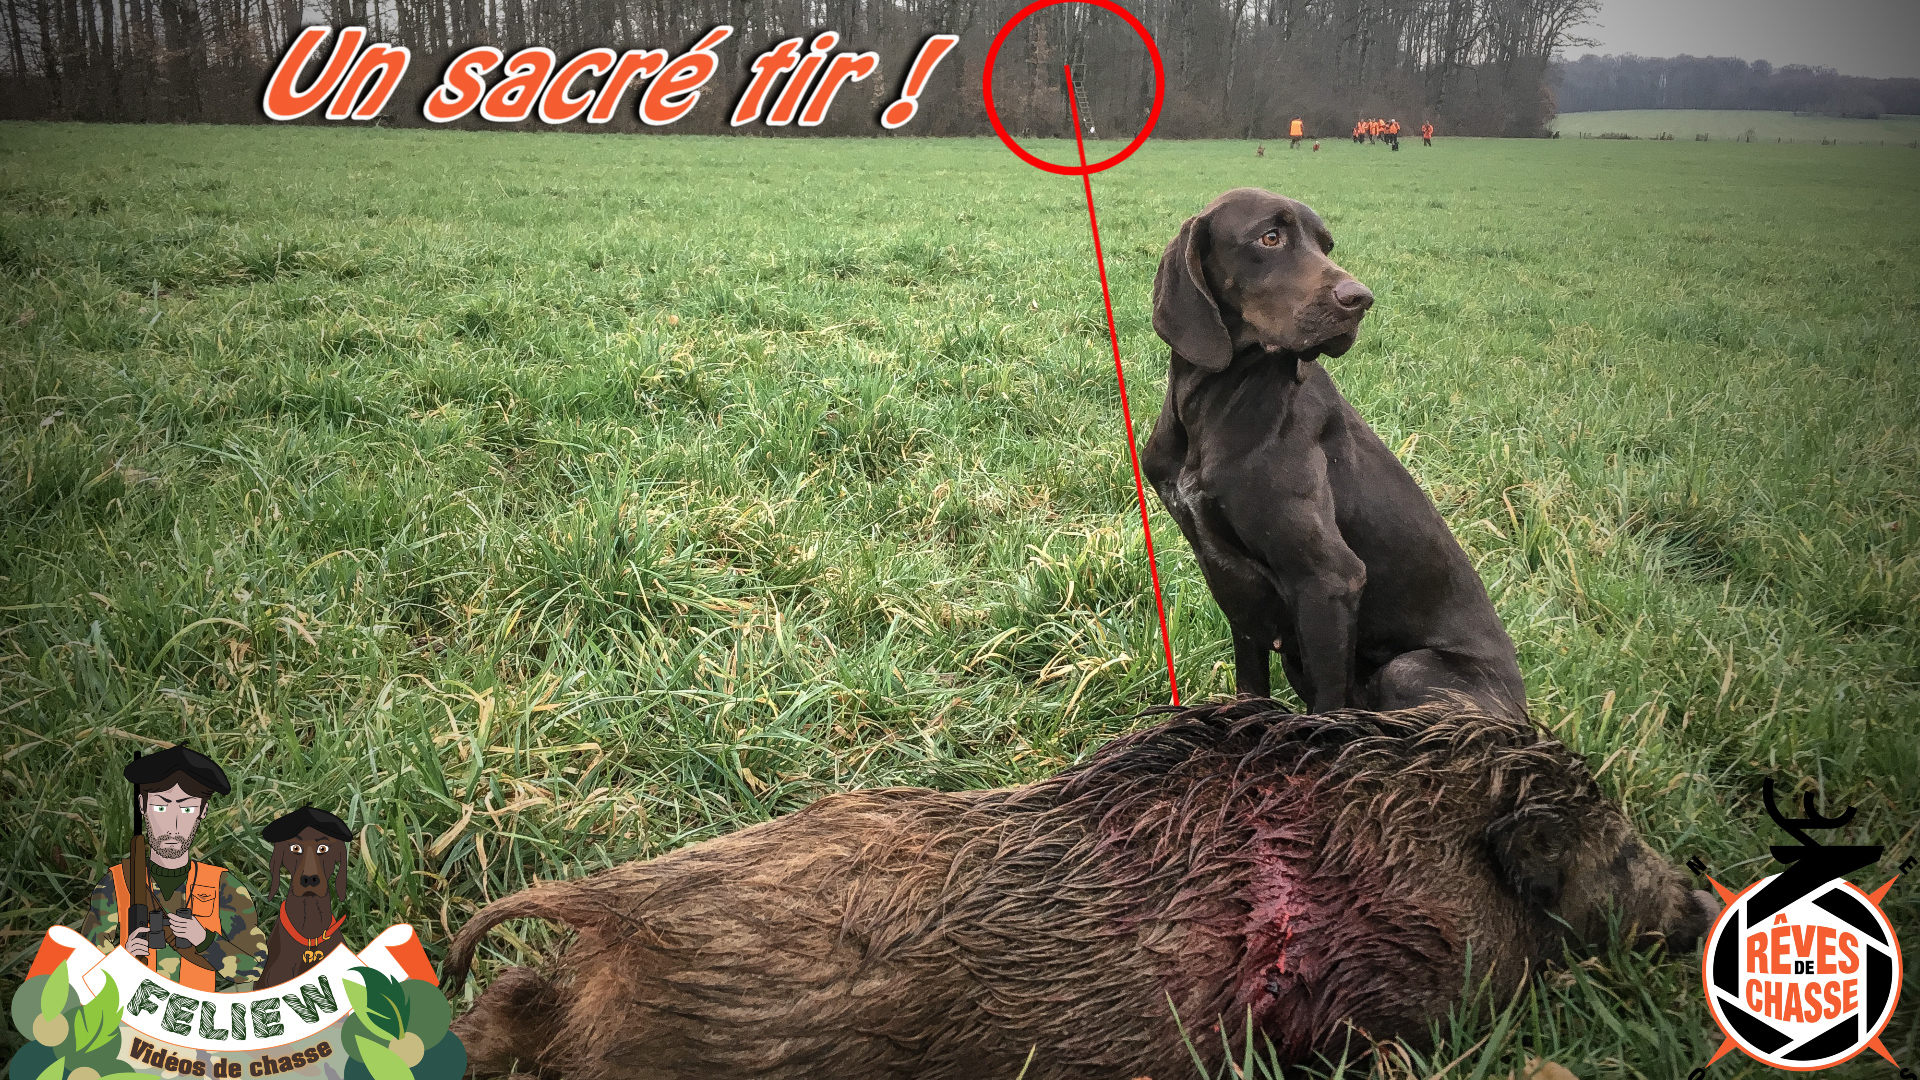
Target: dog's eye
1271,238
321,850
295,848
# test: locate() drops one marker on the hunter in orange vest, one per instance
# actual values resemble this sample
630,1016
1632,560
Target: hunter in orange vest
201,930
1296,131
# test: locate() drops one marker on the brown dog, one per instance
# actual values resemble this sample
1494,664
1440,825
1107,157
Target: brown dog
1315,541
311,846
1233,862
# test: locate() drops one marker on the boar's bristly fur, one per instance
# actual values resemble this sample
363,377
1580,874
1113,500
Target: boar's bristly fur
1233,862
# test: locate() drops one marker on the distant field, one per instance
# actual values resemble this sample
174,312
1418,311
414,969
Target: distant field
539,502
1733,123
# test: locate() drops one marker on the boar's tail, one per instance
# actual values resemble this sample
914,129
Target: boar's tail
539,902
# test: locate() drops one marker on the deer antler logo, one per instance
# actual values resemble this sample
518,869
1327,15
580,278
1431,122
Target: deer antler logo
1811,864
1813,820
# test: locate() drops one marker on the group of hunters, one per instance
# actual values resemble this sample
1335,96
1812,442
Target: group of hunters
1382,131
1388,132
197,923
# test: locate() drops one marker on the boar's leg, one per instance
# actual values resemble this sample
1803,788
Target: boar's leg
510,1026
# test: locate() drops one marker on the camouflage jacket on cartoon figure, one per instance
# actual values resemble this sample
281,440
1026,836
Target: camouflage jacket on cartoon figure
237,952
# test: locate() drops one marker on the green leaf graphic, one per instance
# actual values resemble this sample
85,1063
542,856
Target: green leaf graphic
111,994
386,1002
53,996
98,1020
383,1063
357,997
86,1027
59,1067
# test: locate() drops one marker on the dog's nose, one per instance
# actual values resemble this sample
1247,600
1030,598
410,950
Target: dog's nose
308,881
1352,294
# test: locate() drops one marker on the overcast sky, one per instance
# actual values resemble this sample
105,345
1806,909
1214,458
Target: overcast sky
1876,38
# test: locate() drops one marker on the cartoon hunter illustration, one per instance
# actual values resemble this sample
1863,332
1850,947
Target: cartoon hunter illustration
311,846
193,922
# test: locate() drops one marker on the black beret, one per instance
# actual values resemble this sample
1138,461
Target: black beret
288,826
154,768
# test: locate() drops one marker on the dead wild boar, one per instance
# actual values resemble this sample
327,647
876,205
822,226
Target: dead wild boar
1233,862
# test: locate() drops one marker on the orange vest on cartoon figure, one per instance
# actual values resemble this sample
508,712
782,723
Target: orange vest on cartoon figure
203,897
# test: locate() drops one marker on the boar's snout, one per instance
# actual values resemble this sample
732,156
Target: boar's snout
1702,908
1633,889
1685,928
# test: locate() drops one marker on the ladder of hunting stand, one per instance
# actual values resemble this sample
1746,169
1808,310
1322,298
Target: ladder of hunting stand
1080,100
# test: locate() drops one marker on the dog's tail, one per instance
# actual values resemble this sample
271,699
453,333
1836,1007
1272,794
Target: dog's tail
556,900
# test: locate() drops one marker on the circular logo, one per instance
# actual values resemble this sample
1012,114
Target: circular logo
1806,986
993,115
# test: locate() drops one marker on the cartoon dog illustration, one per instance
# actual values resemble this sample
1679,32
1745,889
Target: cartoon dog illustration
311,845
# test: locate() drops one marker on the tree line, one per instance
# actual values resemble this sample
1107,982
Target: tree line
1233,68
1594,83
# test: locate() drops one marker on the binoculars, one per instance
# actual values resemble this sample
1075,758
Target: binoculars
155,919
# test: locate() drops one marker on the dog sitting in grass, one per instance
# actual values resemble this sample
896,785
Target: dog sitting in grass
311,846
1234,871
1315,541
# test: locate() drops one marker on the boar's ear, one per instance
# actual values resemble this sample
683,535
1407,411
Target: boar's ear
1533,849
1185,314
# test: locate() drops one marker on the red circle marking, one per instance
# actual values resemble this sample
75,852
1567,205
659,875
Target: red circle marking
993,116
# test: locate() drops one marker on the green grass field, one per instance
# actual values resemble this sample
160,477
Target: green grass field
539,502
1684,124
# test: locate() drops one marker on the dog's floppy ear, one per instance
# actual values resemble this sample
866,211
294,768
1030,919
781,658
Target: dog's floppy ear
334,864
1533,849
274,866
1184,312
